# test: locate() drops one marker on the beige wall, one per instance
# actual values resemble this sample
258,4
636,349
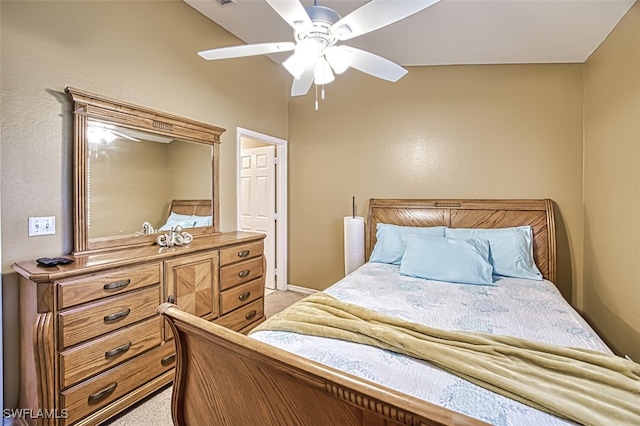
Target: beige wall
196,182
129,184
440,132
611,187
142,52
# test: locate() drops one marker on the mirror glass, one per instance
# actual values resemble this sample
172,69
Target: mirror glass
132,176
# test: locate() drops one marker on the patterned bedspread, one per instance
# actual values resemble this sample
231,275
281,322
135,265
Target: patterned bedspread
533,310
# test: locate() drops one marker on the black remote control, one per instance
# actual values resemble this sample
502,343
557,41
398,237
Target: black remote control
48,262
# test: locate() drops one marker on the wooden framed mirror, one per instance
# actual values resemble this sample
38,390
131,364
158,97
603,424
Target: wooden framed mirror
138,171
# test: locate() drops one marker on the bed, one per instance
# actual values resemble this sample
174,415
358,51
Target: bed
189,214
190,207
280,377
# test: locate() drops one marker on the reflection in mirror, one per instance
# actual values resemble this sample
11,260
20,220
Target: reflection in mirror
132,177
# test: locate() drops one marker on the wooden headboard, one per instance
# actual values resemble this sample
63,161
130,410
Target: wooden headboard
472,214
196,207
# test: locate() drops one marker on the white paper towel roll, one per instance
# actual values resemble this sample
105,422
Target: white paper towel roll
353,243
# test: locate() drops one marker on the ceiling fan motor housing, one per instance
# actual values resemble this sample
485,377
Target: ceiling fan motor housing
322,18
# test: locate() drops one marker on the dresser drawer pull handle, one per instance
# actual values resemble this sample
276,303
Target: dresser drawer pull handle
168,360
103,393
244,253
251,314
117,285
115,317
244,273
117,351
244,296
171,299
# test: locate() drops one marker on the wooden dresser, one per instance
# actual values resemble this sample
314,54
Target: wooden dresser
92,343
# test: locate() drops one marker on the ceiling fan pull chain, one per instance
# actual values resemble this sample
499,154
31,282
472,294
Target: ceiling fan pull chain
316,97
322,97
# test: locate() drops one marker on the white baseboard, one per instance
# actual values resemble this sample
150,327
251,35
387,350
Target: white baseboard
299,289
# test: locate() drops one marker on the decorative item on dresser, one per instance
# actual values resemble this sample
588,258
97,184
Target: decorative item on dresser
92,343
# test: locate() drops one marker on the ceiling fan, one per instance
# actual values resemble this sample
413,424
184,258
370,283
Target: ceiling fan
317,30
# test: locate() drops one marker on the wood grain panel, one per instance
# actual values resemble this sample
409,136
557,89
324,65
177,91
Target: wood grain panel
99,391
242,317
94,287
241,295
100,354
241,272
193,282
240,252
190,207
87,322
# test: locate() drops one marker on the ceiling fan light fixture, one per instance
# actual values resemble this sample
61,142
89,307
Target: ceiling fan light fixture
295,65
322,73
339,57
308,50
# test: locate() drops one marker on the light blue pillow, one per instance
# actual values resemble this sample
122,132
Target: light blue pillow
511,249
447,259
389,246
201,221
176,219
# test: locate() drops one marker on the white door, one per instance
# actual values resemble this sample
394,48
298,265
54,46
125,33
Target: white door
258,200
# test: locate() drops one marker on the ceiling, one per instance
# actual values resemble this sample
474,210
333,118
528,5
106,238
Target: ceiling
451,32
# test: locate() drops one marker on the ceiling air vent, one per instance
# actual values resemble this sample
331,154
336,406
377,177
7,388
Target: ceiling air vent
226,2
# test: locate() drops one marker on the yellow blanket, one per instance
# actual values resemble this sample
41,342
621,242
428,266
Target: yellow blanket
582,385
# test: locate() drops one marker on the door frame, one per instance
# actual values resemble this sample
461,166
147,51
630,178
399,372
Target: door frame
281,197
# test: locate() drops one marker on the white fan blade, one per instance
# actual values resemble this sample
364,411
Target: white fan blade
302,85
376,65
293,12
376,14
246,50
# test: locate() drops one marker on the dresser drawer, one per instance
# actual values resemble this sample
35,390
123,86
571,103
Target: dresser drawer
241,295
83,323
94,287
239,273
107,387
100,354
243,316
240,252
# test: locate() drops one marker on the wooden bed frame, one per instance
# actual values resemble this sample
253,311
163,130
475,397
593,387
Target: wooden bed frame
196,207
226,378
192,207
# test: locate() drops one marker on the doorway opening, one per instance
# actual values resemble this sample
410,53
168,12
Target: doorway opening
262,198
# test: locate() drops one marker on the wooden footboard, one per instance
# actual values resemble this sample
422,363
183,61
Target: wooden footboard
226,378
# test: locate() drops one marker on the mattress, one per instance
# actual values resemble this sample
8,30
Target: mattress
528,309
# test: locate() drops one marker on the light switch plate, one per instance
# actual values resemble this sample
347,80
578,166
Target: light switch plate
45,225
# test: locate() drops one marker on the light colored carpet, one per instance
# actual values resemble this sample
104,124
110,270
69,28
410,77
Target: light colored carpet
276,301
156,409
